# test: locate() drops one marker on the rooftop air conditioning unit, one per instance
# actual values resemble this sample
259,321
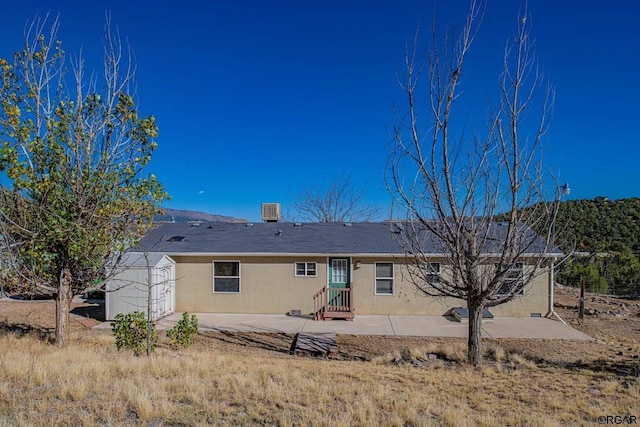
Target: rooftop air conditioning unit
271,212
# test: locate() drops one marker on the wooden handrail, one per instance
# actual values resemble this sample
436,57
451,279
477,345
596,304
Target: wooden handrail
319,303
332,303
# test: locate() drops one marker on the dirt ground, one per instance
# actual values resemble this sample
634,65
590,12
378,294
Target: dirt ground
614,323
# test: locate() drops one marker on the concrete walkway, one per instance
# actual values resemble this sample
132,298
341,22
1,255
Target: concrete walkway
418,326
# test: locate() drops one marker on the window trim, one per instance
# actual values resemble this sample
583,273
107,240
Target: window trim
517,265
340,270
434,274
306,269
213,265
376,278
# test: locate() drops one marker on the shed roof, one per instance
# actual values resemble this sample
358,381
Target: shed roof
138,259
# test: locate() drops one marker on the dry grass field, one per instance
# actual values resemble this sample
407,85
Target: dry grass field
250,379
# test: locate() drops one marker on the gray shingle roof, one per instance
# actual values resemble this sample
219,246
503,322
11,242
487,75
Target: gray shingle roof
288,238
272,238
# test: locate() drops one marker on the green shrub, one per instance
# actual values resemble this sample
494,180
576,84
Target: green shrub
131,332
183,332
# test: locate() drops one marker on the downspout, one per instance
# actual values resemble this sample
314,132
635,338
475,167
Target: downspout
552,279
561,191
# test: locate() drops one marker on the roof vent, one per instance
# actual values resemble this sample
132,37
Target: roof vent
397,228
271,212
347,224
177,239
297,224
248,224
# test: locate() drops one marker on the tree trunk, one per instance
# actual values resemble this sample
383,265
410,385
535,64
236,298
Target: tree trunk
63,307
149,303
474,342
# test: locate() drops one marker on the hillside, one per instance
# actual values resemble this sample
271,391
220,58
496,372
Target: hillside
600,225
603,238
178,215
606,237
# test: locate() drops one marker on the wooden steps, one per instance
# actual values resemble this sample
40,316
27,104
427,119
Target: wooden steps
333,303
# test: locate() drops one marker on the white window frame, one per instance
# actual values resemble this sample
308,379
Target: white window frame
517,268
392,278
339,270
227,277
434,276
306,269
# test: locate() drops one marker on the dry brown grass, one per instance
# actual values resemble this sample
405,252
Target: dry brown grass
249,379
90,383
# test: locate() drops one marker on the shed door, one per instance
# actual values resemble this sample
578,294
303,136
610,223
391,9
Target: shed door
164,291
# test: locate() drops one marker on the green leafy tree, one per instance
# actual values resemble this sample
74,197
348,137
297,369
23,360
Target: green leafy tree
623,273
72,151
617,273
580,269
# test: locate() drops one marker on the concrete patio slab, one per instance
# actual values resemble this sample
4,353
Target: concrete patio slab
360,325
418,326
430,326
518,327
268,323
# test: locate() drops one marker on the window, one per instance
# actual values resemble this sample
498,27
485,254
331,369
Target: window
433,273
514,279
384,278
226,276
306,269
339,271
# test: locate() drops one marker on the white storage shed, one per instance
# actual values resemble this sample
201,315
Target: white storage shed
128,289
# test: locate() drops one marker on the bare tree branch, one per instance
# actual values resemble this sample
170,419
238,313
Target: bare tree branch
338,201
450,187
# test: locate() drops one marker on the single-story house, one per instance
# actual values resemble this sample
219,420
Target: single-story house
280,267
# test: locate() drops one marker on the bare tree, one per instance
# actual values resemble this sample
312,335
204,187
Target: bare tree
339,201
450,184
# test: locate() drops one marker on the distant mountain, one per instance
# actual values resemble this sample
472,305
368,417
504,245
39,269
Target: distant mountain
180,216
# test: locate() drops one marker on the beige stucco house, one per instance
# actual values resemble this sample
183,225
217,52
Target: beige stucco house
324,269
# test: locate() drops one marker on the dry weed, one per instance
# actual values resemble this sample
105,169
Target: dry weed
497,353
90,383
519,360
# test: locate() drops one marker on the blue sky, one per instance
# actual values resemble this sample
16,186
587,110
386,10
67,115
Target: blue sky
255,99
